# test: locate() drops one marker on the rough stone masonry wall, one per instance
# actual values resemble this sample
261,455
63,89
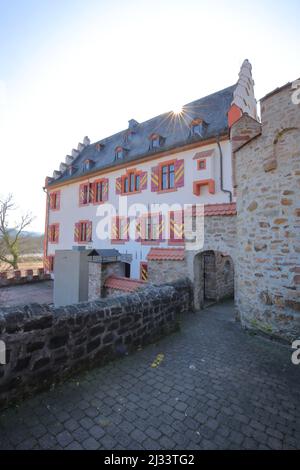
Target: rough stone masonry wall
46,344
161,271
268,221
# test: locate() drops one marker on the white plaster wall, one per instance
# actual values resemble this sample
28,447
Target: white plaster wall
70,212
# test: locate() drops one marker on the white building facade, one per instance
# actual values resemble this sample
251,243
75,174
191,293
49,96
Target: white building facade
174,160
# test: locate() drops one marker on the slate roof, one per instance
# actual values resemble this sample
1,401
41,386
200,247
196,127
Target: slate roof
175,130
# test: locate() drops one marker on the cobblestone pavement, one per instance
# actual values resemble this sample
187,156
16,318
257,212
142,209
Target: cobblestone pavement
217,387
40,292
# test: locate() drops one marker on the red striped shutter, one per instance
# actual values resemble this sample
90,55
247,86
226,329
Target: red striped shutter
115,228
118,185
143,180
176,226
179,173
49,233
91,193
105,190
89,231
161,226
56,233
58,200
76,232
51,200
81,194
155,178
138,229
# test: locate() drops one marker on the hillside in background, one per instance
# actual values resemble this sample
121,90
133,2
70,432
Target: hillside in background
31,243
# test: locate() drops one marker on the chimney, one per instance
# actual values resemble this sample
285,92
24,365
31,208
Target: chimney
69,159
62,167
132,124
56,174
86,141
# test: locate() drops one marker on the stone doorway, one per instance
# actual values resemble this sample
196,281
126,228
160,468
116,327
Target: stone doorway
213,278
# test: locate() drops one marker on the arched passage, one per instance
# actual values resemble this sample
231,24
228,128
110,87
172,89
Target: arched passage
213,278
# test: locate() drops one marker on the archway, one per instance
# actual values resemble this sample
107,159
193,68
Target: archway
213,278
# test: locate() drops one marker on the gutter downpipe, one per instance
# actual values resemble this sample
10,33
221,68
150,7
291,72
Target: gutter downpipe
221,171
46,227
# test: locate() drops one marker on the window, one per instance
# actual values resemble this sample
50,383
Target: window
201,164
152,226
119,153
55,200
85,193
84,231
53,233
197,127
98,191
120,229
131,182
87,165
155,141
167,176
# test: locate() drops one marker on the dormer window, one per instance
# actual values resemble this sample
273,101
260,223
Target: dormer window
87,165
197,126
156,141
99,147
71,170
119,153
127,137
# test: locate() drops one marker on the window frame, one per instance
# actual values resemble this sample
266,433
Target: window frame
160,177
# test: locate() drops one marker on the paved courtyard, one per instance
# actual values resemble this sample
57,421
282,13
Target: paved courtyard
217,387
39,292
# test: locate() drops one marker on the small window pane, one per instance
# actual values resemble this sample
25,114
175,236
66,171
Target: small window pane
126,185
131,182
137,182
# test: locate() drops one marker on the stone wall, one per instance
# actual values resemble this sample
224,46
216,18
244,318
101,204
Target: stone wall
268,222
161,271
98,273
17,277
46,344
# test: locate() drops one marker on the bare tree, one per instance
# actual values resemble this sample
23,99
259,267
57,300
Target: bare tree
9,235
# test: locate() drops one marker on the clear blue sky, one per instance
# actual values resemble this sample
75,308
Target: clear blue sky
70,68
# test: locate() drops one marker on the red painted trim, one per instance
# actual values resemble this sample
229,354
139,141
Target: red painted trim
199,162
45,247
197,186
